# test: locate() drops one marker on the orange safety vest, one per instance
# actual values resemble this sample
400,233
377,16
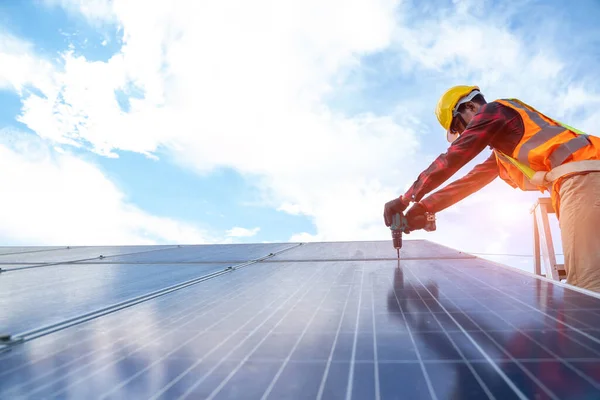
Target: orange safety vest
546,144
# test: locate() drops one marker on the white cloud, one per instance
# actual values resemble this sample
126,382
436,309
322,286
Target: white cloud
245,85
57,198
258,87
242,232
96,11
20,67
304,237
292,209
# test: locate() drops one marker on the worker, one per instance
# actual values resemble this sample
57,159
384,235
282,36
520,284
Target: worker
530,151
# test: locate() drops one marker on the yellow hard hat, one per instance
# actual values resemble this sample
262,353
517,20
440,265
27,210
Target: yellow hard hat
449,102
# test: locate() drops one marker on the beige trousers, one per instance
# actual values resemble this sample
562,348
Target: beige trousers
580,229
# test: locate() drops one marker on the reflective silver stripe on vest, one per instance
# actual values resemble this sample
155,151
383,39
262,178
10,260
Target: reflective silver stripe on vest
528,186
546,133
563,151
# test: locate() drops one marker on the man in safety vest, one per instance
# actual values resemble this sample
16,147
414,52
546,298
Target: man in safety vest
531,151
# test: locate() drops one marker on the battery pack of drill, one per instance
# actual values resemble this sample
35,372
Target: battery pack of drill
400,225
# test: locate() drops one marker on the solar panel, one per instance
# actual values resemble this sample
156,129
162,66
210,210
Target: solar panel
6,250
40,296
202,253
439,326
374,250
69,254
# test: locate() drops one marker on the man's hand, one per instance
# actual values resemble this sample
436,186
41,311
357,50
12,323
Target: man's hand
393,207
416,218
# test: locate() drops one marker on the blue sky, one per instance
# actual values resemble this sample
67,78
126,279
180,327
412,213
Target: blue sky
263,121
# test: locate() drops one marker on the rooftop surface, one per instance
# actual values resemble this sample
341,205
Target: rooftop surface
289,321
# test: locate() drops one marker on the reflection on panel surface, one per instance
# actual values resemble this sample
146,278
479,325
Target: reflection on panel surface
39,296
443,328
368,251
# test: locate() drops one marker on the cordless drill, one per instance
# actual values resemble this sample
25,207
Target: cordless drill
400,224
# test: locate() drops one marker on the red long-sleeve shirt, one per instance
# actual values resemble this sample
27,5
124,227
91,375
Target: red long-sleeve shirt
495,125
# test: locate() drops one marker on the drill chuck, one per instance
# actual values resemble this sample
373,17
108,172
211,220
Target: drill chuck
397,239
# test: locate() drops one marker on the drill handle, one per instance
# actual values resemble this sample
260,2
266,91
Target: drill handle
399,222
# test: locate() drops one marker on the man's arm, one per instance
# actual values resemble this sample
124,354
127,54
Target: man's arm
480,132
479,177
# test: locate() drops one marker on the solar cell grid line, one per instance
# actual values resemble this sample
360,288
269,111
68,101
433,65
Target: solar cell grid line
572,338
576,317
234,371
42,265
115,307
571,318
172,254
219,300
353,357
592,338
287,359
333,346
74,249
75,279
572,291
102,259
546,348
562,360
44,285
502,374
75,360
3,372
375,357
71,382
591,299
412,339
391,258
178,378
116,326
469,366
33,251
62,262
234,253
141,277
225,339
78,319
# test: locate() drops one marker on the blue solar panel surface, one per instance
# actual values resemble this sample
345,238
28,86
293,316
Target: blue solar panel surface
27,249
40,296
333,251
202,253
441,327
70,254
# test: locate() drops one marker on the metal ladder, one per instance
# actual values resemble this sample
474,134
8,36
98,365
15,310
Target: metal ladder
542,238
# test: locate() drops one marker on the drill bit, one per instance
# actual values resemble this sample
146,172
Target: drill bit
397,228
